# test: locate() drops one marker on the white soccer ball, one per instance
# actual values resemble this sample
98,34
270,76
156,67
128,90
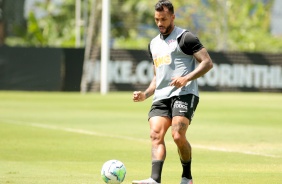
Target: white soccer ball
113,172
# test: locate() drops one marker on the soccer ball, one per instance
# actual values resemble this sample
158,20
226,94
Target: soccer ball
113,172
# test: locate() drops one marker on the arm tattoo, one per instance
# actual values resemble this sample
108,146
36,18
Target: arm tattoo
147,94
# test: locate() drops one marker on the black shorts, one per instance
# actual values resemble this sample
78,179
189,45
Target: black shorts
184,105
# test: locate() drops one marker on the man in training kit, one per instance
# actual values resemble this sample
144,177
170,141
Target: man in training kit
175,53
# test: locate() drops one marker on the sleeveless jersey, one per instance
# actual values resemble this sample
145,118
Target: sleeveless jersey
170,61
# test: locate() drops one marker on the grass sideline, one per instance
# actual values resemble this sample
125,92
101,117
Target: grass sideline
64,138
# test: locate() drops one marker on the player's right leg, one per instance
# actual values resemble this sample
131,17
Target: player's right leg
158,128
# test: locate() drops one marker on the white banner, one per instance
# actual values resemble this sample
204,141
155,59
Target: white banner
222,75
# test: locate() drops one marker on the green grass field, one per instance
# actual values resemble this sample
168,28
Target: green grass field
64,138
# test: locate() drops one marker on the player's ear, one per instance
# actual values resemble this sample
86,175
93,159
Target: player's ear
173,16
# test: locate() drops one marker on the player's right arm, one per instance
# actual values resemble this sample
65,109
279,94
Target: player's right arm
139,96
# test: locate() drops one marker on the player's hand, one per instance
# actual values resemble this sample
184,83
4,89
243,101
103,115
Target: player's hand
138,96
178,82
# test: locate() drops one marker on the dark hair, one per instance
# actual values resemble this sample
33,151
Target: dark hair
164,3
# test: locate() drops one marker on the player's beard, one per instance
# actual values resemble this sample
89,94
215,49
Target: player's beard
166,30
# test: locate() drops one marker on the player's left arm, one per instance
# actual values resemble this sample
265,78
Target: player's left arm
205,64
191,45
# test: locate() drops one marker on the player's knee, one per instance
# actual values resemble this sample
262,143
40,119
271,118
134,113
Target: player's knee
155,136
178,138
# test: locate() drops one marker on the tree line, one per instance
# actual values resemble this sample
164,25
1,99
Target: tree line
221,25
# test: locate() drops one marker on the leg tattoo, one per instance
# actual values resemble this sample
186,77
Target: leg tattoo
184,147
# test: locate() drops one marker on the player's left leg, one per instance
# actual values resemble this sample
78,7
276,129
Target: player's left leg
182,112
179,127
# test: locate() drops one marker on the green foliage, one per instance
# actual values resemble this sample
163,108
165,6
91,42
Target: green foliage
34,33
136,29
55,28
249,29
233,25
221,25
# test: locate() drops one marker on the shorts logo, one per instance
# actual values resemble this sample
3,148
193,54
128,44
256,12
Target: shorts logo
181,105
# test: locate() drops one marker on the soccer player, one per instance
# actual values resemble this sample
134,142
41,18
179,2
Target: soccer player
179,59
